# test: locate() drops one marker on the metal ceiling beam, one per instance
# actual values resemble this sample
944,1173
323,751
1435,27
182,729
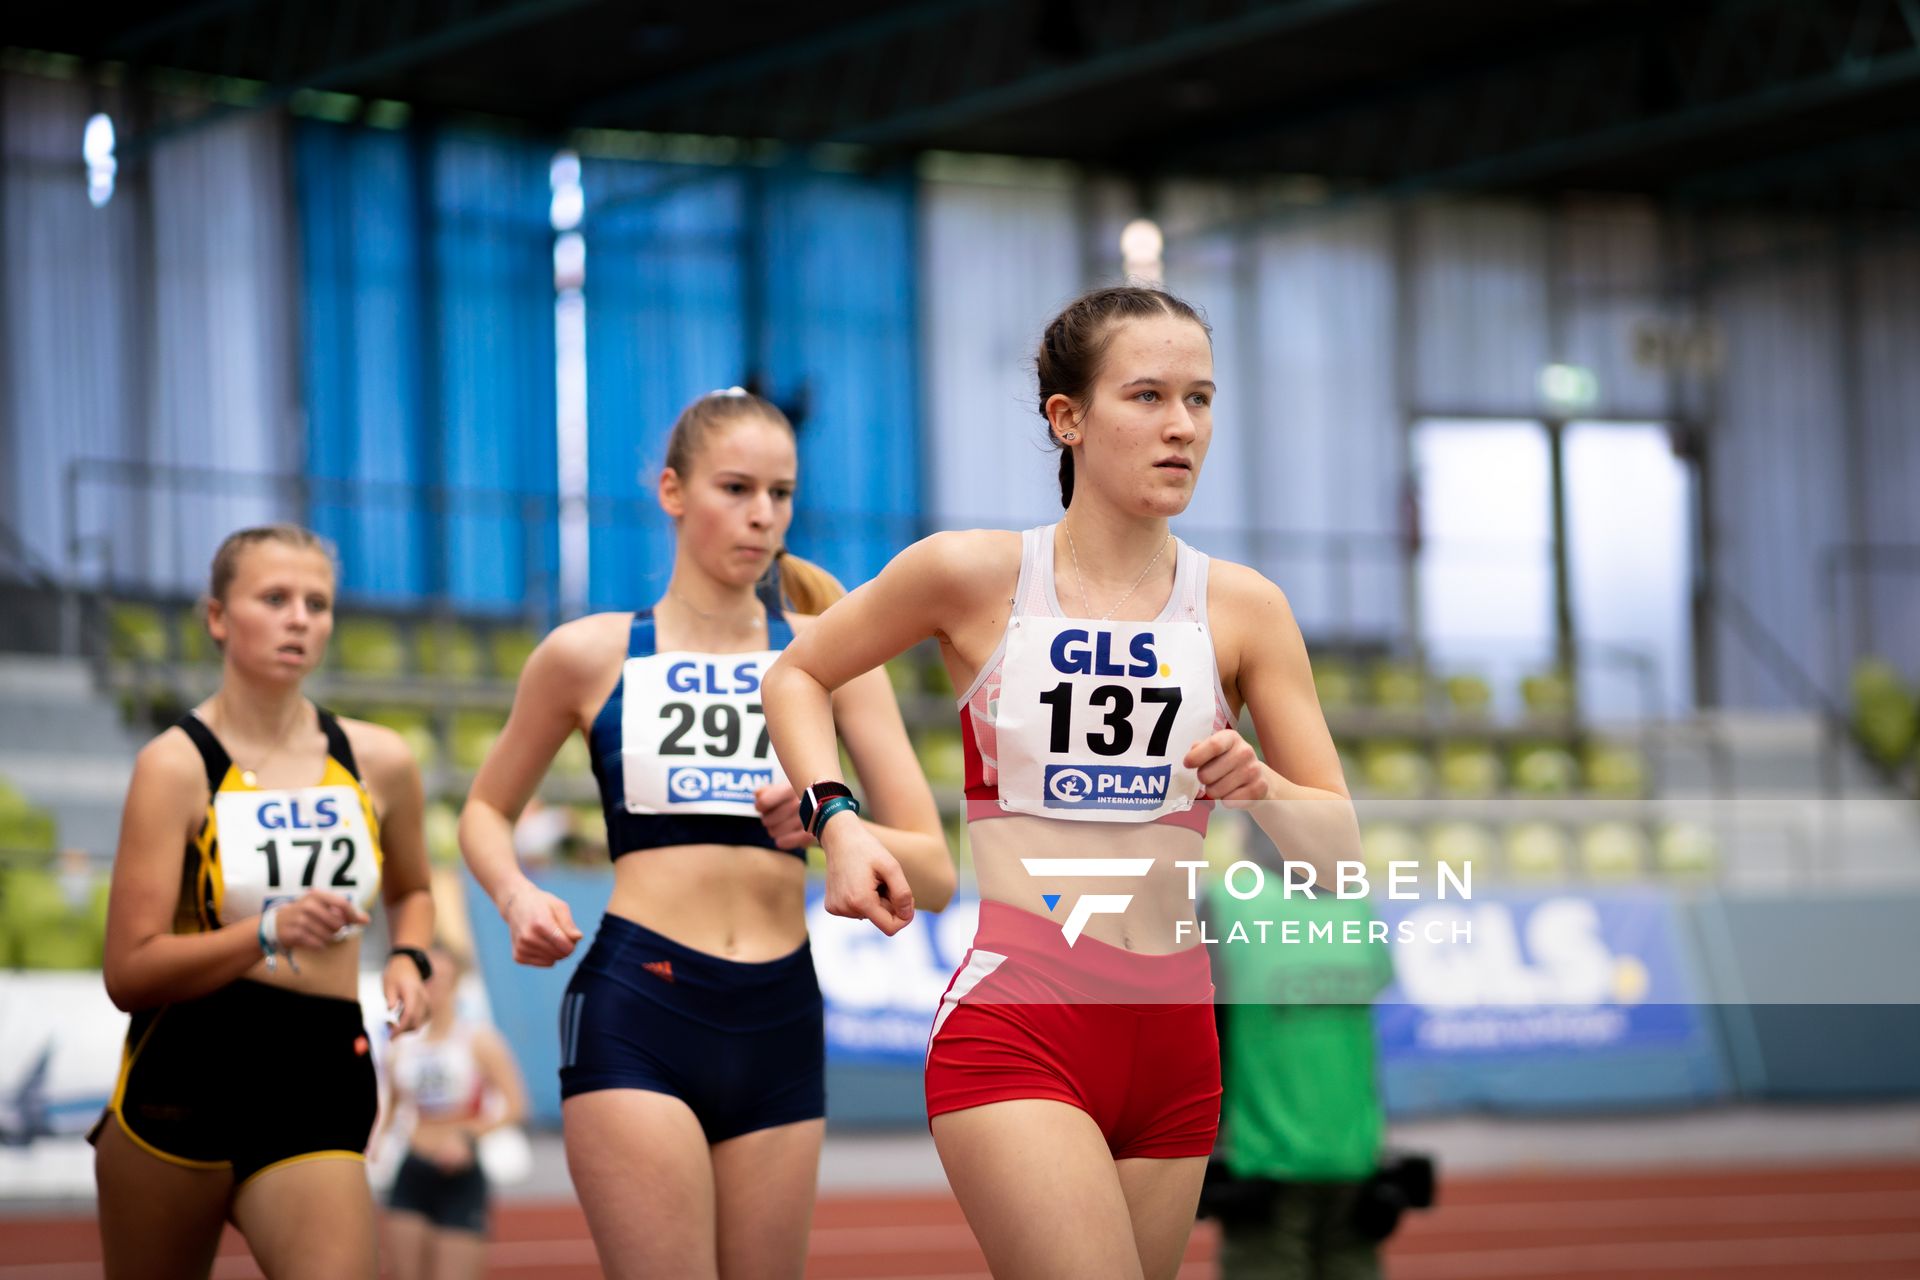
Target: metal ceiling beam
1752,63
446,27
1185,41
168,25
731,73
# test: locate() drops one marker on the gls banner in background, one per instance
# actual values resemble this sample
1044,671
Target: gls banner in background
1561,996
881,992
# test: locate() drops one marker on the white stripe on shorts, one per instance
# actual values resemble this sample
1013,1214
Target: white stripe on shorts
979,965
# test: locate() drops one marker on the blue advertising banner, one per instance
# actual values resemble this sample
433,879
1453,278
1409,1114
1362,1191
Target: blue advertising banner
881,992
1569,996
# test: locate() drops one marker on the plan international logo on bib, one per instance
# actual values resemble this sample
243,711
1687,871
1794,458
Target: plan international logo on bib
1106,786
696,784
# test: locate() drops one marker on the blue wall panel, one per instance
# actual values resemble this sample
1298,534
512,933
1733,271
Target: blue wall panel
497,448
429,364
361,359
666,297
700,278
838,255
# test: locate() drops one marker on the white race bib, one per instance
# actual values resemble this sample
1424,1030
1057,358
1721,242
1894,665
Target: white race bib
1095,717
275,845
693,734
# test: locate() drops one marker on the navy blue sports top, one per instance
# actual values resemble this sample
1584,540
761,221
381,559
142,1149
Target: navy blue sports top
627,832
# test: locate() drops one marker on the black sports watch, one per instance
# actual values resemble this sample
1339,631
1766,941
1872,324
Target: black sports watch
419,958
818,794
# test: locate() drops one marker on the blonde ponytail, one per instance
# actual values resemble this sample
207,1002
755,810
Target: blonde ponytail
808,588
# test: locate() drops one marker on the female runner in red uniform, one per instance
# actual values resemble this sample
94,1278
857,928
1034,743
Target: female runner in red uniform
1073,1073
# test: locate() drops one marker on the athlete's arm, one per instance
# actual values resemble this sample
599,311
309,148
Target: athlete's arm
901,811
1298,795
405,881
502,1075
926,590
546,708
146,964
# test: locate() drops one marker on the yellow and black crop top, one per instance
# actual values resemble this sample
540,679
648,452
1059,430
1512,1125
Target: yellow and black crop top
260,846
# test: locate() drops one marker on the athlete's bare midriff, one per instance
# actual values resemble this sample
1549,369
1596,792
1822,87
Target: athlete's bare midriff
738,903
1160,898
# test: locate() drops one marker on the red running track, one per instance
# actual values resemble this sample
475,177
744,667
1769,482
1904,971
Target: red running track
1803,1222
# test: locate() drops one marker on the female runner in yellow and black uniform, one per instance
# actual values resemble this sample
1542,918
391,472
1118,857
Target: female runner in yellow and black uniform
246,1088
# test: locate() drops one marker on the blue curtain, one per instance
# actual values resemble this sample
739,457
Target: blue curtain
700,278
497,448
838,256
360,357
666,301
429,365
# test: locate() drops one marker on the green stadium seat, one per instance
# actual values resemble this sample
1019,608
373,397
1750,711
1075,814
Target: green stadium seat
1544,769
1469,770
473,736
195,645
136,633
941,755
1398,686
442,823
1613,851
1885,715
24,827
1462,845
40,929
1469,695
1394,768
574,759
1616,770
448,650
1384,843
1686,850
509,648
368,647
412,724
1538,851
1337,685
1548,693
59,943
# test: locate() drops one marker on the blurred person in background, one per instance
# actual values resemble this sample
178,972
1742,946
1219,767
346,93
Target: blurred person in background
693,1039
258,832
457,1082
1301,1118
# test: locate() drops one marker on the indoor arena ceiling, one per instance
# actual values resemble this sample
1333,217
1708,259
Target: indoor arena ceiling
1770,102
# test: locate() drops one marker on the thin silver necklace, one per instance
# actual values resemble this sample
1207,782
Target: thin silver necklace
251,776
691,607
1088,604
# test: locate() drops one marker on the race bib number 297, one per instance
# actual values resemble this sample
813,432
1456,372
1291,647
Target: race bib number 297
694,733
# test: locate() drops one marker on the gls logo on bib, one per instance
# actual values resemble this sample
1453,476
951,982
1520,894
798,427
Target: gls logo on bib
691,784
1075,654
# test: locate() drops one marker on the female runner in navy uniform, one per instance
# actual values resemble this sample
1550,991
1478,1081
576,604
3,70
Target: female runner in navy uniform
1073,1073
247,1088
692,1038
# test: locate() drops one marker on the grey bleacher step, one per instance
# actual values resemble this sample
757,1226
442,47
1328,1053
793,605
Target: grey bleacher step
1765,751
